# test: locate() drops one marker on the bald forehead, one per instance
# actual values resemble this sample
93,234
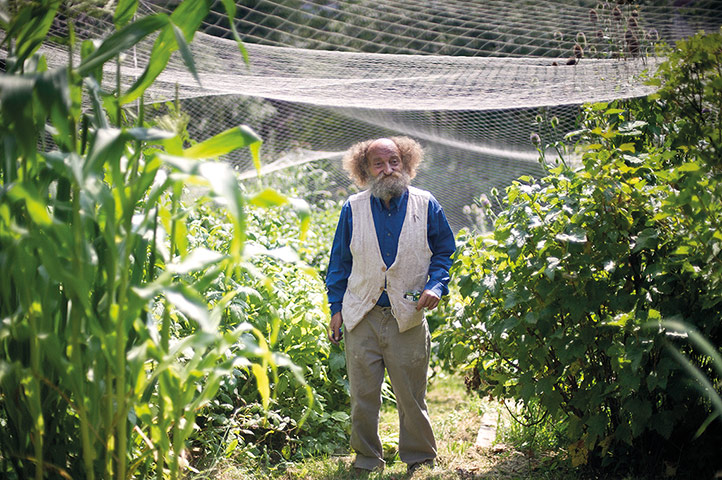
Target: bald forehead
382,146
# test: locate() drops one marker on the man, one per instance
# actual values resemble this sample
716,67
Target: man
389,262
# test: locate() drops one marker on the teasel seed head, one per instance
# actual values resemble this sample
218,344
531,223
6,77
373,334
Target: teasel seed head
578,51
582,39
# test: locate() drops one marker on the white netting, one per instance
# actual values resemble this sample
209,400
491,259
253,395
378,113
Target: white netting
466,78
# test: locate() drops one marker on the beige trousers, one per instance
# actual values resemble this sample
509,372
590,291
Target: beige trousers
373,345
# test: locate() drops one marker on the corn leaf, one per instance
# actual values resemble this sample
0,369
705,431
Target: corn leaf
191,304
54,92
199,259
230,7
268,198
30,29
121,41
16,94
86,49
188,17
224,142
185,51
223,182
124,12
143,134
303,210
107,147
35,205
93,88
262,382
698,340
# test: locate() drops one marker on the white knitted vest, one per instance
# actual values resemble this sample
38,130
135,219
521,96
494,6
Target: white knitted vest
369,275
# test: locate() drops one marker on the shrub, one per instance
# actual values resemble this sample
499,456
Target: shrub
567,302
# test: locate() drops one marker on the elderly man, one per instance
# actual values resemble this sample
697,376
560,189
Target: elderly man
389,262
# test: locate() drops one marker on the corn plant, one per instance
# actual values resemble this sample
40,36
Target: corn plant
96,379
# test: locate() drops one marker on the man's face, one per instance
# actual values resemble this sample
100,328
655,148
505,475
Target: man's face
383,158
388,177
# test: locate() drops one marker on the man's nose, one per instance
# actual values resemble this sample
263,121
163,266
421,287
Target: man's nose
388,169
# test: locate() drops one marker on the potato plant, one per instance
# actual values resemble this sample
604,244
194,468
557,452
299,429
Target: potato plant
284,298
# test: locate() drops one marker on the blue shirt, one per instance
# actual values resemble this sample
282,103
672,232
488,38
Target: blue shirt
388,223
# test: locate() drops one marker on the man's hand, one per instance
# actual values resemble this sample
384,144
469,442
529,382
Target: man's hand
428,300
334,328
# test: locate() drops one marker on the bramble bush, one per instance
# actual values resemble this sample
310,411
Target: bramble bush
569,302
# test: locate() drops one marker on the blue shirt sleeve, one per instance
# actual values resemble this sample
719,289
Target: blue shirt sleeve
339,266
442,245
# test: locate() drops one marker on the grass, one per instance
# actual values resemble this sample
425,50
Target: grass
456,417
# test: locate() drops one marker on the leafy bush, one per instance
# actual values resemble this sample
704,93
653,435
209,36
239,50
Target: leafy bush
567,301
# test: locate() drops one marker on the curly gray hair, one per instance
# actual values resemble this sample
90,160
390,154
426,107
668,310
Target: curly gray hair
355,163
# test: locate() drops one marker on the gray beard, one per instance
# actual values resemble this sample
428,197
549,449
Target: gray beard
387,187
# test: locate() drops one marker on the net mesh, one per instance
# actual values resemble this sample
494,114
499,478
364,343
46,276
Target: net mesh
472,81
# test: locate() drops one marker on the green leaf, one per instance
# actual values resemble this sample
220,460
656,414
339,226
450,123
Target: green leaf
93,88
188,17
188,166
185,52
597,426
16,95
224,142
29,30
552,267
710,418
149,134
697,339
575,236
35,205
303,210
262,383
124,12
268,198
340,416
284,254
647,239
632,128
689,167
639,410
336,361
663,422
230,7
107,147
191,304
121,41
86,49
197,260
53,90
574,133
223,182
